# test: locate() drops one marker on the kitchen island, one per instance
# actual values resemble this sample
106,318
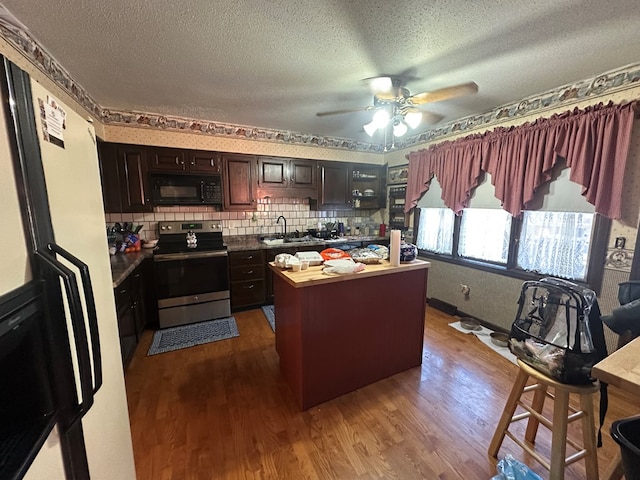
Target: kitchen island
337,333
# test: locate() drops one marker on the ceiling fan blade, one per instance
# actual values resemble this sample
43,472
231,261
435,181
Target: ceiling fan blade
431,118
444,93
347,110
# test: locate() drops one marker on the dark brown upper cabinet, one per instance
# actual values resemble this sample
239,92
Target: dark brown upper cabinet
286,177
124,176
368,186
108,157
239,180
351,186
273,173
166,159
334,189
304,174
163,159
204,162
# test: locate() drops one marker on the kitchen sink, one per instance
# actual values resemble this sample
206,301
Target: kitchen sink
301,239
273,241
280,241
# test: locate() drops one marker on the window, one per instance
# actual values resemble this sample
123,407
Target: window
559,244
556,243
485,234
436,230
560,235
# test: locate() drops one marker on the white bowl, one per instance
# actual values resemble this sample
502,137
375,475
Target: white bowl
150,244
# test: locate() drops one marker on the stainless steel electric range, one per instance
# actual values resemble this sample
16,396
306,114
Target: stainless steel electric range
191,272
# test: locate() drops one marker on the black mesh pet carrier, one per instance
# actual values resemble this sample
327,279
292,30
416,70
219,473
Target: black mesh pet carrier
558,330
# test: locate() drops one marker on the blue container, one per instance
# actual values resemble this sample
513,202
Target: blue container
626,433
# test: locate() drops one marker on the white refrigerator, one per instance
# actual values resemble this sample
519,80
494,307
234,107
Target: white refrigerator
63,142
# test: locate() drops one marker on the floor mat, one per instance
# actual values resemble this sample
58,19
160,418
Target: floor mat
483,336
185,336
270,313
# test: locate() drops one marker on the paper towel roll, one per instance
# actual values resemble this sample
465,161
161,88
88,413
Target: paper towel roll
394,248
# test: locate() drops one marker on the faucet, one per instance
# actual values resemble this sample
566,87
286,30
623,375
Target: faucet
285,225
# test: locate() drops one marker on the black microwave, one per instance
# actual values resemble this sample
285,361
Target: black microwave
186,189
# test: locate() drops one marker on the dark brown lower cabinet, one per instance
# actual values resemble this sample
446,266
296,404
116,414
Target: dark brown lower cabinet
131,308
247,276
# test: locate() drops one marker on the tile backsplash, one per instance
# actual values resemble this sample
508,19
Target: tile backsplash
259,222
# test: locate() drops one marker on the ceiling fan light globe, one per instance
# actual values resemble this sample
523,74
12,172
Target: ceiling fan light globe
413,119
381,118
399,129
381,84
370,128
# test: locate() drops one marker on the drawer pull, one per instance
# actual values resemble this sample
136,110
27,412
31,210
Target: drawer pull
250,257
249,272
248,287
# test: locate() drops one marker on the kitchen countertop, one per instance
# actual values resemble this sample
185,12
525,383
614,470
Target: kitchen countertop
315,276
621,368
240,243
123,264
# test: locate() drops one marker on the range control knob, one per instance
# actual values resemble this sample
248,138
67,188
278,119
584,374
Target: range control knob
169,227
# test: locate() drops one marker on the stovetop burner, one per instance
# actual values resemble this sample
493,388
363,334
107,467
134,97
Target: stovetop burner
189,236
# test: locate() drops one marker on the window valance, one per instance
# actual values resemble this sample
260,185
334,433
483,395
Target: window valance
594,143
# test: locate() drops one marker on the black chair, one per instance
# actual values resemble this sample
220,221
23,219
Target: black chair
625,319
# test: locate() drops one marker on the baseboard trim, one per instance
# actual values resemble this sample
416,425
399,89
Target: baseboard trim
443,306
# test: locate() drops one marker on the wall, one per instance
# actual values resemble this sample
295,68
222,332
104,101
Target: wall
493,297
261,222
490,293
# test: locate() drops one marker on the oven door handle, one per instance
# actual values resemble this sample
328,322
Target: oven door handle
168,257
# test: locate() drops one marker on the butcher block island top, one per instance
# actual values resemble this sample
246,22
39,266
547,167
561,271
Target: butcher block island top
338,333
315,276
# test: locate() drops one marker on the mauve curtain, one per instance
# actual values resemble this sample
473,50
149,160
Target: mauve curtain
456,165
594,142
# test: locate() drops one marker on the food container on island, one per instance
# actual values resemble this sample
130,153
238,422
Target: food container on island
312,258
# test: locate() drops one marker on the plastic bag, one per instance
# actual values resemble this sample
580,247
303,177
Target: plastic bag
511,469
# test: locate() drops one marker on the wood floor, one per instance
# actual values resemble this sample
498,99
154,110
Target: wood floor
222,411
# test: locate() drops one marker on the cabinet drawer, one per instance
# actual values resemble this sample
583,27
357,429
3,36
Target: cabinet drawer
250,257
247,293
246,272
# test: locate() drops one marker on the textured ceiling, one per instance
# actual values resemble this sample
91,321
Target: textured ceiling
274,64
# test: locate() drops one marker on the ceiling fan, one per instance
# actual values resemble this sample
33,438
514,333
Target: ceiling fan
394,103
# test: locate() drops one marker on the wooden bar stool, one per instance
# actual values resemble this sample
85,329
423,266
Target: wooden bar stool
563,414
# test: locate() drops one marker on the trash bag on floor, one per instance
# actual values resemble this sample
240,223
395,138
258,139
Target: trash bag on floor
511,469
